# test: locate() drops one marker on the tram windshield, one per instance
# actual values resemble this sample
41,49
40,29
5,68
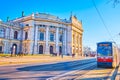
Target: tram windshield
104,50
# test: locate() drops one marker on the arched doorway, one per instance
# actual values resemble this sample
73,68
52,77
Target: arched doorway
51,49
14,49
41,49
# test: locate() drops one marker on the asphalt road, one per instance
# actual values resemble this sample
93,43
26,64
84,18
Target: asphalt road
71,70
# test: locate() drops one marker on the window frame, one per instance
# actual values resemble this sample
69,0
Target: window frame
52,36
26,35
15,34
41,37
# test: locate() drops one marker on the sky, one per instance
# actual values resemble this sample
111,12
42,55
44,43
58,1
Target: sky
84,10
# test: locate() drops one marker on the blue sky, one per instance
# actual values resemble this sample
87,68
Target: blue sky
94,30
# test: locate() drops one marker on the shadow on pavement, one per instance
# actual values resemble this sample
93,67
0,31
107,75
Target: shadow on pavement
52,67
61,66
4,79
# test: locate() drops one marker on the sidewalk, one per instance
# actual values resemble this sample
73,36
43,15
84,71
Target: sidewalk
118,74
35,59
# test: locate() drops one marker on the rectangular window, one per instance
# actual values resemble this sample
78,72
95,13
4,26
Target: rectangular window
51,37
41,36
15,35
26,35
52,26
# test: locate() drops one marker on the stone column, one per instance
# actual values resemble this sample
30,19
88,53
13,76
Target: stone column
69,40
75,42
7,33
4,47
47,39
81,45
36,40
10,46
65,41
57,40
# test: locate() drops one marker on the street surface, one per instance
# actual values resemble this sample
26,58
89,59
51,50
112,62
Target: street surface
71,70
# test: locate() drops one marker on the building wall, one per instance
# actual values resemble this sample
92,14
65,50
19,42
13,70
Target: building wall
7,41
76,36
70,32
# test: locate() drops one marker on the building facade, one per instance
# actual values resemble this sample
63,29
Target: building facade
41,33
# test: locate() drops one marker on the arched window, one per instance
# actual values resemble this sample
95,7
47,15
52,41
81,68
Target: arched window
15,35
2,32
26,35
51,36
41,36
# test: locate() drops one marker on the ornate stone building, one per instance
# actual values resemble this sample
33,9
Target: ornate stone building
41,33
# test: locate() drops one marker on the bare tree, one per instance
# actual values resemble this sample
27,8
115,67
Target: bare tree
114,2
87,50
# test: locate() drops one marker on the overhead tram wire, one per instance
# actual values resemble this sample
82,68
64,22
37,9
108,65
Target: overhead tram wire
102,20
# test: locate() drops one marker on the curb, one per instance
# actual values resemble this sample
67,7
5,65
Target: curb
118,74
113,74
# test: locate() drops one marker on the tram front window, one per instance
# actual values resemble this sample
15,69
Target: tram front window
104,51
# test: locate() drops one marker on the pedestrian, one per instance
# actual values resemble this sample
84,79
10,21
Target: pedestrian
73,55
